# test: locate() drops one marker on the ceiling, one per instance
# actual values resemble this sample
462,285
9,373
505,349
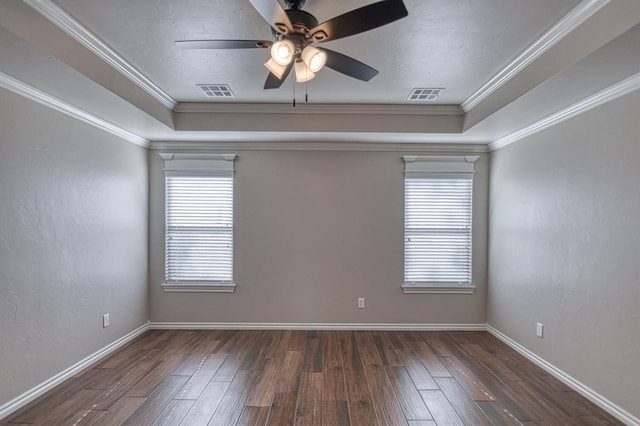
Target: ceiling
503,66
440,44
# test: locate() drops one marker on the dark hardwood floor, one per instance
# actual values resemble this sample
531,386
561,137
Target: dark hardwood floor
313,378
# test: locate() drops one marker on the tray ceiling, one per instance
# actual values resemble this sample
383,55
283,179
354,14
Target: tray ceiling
503,66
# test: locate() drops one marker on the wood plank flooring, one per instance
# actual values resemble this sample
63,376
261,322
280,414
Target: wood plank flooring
173,377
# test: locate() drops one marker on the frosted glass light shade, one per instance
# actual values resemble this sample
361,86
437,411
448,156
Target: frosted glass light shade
314,58
275,68
282,51
303,73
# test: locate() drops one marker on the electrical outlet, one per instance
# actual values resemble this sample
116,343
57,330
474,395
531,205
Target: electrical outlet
539,330
105,321
360,302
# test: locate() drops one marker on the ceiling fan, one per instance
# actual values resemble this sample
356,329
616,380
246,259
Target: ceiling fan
296,31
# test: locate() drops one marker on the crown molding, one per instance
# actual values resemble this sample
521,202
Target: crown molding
557,32
82,35
439,148
304,108
622,88
23,89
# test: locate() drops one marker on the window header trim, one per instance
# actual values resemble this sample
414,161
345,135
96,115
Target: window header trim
439,164
198,162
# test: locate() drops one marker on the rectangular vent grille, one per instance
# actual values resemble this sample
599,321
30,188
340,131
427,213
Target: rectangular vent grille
216,90
424,94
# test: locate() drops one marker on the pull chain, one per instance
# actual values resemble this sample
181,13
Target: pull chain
294,93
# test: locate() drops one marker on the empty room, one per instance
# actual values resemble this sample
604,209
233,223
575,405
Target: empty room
290,212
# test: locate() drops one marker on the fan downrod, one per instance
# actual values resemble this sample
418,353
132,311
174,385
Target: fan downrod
295,4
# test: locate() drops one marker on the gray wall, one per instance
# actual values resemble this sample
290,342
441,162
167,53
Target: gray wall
314,231
564,247
73,241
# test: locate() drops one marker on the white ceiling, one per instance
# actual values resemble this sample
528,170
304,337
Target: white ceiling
455,44
504,64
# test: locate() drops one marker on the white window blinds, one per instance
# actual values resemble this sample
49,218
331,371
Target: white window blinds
199,222
437,230
438,215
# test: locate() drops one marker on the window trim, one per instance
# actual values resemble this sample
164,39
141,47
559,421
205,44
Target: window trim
437,289
443,166
199,287
196,164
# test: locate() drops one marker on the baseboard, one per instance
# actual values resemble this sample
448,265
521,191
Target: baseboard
312,326
33,393
613,409
590,394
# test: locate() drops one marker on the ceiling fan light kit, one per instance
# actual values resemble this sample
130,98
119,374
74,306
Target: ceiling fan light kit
275,68
307,63
295,30
314,58
283,51
303,73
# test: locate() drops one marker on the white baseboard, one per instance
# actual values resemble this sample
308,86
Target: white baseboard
311,326
590,394
613,409
33,393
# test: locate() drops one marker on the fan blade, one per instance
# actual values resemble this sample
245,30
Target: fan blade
223,44
359,20
273,82
348,66
274,14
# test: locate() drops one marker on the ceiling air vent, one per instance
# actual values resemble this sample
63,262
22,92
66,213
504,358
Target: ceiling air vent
424,94
217,90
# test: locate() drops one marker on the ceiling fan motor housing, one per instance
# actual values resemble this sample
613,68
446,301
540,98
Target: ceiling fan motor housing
301,21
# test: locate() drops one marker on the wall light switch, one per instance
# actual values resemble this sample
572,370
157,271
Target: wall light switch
539,330
360,302
105,321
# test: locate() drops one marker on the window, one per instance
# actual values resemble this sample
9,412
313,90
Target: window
198,222
437,227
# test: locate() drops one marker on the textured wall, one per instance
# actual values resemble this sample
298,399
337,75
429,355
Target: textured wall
73,241
314,231
564,245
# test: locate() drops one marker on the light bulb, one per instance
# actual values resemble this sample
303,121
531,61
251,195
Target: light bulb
303,73
282,51
314,58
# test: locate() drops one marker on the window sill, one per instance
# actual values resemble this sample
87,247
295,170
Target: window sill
199,288
415,289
